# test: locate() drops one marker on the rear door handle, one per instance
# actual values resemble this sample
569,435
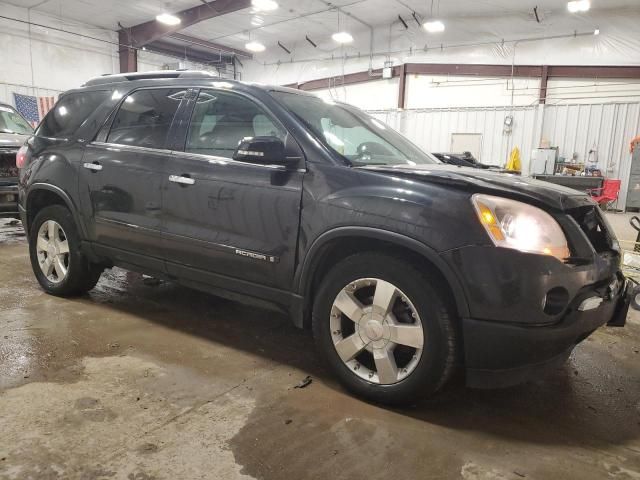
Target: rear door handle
181,180
96,167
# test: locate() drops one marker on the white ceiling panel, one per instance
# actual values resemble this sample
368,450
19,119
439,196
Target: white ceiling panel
466,20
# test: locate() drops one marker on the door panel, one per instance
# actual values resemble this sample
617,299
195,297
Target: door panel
236,219
122,175
124,197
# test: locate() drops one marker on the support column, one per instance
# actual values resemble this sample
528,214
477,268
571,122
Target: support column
544,77
402,85
128,55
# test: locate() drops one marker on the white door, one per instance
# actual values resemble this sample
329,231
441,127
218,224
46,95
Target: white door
467,142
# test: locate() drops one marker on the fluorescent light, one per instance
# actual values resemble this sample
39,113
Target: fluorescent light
168,19
578,6
255,47
264,5
433,26
342,37
596,31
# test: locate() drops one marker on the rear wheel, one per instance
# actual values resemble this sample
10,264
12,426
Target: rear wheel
385,328
56,259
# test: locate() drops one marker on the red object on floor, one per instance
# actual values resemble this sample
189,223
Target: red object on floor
609,192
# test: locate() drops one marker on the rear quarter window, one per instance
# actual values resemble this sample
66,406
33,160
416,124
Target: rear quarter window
69,113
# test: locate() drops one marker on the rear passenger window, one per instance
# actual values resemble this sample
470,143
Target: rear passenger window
144,118
69,113
220,120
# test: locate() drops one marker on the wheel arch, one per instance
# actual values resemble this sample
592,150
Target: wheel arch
41,195
340,242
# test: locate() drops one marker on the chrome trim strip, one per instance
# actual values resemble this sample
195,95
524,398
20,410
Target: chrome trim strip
134,148
216,160
221,247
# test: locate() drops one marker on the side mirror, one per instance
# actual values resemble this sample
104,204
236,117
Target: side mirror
262,150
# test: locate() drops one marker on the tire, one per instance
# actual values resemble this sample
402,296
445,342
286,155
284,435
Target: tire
81,275
418,372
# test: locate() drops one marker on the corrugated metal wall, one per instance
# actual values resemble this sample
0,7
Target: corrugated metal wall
431,129
606,128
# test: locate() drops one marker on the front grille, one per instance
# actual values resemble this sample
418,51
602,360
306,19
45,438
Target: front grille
594,227
8,167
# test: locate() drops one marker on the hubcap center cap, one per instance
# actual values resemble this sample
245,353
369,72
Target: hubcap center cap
51,251
374,330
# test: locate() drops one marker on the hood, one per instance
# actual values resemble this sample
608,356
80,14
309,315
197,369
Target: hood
12,140
505,184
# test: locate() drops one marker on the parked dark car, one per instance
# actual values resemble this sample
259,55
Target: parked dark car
403,267
14,131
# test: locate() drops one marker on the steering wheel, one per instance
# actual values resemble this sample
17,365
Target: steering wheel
367,150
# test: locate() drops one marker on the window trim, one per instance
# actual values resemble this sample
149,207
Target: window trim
192,105
104,131
36,131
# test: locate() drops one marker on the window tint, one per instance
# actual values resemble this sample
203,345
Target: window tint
69,113
144,118
360,138
220,120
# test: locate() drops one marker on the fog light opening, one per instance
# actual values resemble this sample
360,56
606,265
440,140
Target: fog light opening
555,301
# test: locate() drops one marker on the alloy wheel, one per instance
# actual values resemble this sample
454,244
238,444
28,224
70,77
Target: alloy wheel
52,248
376,331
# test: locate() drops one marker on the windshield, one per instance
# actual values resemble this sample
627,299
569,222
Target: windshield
12,122
356,136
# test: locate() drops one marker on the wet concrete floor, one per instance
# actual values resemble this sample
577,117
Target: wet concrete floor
138,381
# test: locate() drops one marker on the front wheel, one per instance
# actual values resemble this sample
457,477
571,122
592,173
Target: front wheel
385,328
57,261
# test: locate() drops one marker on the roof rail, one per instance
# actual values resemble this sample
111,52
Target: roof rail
123,77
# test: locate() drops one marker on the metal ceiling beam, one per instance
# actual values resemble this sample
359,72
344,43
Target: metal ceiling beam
198,42
543,72
144,33
478,70
599,72
179,52
133,38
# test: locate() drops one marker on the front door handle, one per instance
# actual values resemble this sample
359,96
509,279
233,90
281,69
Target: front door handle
96,167
181,180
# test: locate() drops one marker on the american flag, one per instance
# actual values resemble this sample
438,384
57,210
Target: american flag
33,108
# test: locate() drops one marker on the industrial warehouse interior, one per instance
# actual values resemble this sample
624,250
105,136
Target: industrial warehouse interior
313,239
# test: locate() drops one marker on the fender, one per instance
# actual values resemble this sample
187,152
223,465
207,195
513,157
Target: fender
65,197
304,274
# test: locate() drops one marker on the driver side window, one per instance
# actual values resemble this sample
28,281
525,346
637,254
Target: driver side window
220,120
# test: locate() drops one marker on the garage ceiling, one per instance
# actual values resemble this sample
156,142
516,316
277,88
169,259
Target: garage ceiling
465,19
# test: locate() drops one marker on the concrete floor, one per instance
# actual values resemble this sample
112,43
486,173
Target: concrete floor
137,381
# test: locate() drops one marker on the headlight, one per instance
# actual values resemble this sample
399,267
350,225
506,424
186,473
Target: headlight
520,226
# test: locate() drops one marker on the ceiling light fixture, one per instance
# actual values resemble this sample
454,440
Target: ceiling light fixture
254,46
168,19
576,6
596,31
264,5
433,26
342,37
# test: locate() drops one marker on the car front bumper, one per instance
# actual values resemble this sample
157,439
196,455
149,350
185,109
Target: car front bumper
509,337
8,200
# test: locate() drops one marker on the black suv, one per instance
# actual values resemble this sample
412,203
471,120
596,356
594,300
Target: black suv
403,267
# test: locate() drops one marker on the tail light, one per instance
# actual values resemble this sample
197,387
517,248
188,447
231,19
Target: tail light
22,156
